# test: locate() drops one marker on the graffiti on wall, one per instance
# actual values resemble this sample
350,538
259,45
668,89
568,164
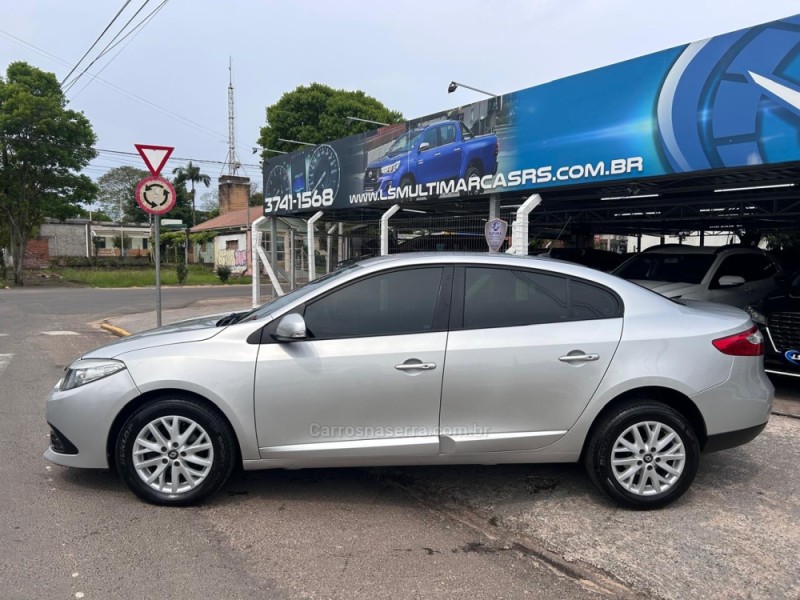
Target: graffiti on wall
235,259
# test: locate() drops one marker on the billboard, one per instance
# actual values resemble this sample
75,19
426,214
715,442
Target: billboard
729,101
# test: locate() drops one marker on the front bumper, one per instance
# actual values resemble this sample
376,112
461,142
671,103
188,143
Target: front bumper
381,185
84,416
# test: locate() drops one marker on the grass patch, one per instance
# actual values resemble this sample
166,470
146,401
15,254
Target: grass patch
107,278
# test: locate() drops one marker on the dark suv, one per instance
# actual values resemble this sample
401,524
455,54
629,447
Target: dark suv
778,317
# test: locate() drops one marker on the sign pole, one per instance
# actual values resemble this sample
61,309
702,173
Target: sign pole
158,269
156,196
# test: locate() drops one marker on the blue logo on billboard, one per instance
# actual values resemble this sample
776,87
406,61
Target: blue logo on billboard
793,356
734,100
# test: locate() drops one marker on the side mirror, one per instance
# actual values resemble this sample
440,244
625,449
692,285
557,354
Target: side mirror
424,146
291,328
731,281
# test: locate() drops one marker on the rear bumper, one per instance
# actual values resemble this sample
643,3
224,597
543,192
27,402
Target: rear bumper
731,439
742,402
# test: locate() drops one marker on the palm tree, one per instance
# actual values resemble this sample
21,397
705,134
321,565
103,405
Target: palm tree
192,174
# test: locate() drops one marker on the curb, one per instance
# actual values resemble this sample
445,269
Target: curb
781,413
118,331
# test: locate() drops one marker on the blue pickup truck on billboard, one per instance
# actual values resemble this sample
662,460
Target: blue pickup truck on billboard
727,102
445,151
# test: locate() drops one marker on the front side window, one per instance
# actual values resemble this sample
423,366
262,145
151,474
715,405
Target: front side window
753,267
400,302
430,136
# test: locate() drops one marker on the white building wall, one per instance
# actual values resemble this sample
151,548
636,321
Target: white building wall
236,258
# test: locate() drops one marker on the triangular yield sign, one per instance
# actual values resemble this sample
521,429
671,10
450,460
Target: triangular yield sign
155,157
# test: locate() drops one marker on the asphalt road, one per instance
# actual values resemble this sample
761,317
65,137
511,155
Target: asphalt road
69,533
495,532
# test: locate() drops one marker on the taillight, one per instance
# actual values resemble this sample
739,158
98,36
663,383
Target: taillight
746,343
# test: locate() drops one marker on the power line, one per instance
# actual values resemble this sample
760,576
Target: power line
175,158
141,24
111,45
185,120
104,50
97,40
124,92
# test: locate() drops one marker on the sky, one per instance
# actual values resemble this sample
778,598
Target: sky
167,83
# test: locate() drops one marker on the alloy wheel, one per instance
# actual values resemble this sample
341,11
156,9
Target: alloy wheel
648,458
173,454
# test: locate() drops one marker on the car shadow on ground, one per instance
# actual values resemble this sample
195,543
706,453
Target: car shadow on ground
470,486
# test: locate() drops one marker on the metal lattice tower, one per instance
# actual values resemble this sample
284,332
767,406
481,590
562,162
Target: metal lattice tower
233,161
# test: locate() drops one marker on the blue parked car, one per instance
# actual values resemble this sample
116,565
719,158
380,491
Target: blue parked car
443,151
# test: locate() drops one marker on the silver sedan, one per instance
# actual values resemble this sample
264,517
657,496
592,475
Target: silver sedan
422,360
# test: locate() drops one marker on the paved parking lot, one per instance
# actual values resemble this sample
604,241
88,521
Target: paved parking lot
734,534
509,531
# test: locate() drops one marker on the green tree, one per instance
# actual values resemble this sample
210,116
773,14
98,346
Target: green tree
191,174
317,113
183,205
42,146
117,194
256,197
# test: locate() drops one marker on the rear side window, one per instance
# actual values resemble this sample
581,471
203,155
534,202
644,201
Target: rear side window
592,302
511,298
447,133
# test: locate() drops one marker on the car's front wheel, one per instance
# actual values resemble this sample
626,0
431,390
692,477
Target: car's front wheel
644,454
175,451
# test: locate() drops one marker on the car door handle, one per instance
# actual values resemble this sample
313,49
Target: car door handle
418,365
456,149
579,357
438,154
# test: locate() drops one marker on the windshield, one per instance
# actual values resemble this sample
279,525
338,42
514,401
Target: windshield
289,297
404,142
672,268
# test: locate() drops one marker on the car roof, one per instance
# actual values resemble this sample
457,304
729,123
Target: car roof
484,258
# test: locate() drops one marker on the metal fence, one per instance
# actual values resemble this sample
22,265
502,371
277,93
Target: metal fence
338,243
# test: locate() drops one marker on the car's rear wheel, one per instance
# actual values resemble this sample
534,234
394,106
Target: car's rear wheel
643,454
473,170
175,451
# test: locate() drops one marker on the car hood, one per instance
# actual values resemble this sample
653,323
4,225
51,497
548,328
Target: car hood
783,301
191,330
667,288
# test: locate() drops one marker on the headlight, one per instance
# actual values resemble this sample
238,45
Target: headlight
756,315
388,169
83,371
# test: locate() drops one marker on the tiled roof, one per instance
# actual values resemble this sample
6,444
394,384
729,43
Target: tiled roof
231,220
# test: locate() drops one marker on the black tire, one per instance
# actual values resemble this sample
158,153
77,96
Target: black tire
406,181
473,170
609,431
179,411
